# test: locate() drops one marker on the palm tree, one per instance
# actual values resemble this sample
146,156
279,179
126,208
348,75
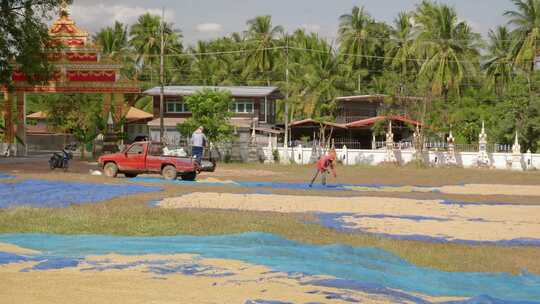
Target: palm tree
145,40
499,59
113,40
448,47
355,37
115,44
263,37
526,20
203,66
400,51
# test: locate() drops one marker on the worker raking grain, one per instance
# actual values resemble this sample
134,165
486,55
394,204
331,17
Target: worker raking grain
324,165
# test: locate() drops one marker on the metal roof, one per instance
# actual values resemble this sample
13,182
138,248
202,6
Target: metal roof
377,98
236,91
309,121
373,120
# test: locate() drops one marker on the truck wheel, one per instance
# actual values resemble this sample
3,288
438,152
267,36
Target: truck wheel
190,176
169,172
130,175
111,170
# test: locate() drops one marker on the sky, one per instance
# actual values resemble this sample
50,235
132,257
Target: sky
206,19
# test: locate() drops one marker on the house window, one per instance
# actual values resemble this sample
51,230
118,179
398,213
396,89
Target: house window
177,107
243,107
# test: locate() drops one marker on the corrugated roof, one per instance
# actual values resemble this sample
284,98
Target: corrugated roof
373,120
310,121
236,91
377,98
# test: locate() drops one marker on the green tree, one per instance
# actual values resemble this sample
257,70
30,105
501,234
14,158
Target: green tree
115,44
526,20
355,35
263,36
204,66
449,47
400,51
499,58
210,109
146,42
113,40
79,114
23,38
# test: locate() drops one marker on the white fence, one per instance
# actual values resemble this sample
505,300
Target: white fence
353,157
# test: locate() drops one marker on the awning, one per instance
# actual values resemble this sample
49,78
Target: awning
37,115
134,114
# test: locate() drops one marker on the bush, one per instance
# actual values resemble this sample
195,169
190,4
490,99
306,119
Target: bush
275,155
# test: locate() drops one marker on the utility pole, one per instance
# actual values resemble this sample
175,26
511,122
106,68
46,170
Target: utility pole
286,138
161,80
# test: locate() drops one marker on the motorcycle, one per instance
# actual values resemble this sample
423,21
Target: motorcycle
60,160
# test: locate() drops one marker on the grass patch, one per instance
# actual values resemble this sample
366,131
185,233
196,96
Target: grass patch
131,217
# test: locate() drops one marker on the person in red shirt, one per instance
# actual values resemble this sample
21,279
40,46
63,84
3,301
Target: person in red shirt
325,164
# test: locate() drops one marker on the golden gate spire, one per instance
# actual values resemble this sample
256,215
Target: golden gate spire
64,8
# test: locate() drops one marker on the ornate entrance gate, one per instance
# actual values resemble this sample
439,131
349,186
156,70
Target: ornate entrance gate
78,68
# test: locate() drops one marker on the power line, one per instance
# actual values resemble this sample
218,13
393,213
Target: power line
333,51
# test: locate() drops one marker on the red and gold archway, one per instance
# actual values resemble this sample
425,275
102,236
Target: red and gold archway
78,68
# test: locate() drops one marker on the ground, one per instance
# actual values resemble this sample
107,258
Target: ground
253,233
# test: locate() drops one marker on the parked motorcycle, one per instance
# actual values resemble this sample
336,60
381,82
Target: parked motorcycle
60,160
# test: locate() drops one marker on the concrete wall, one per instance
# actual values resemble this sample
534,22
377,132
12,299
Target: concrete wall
48,142
353,157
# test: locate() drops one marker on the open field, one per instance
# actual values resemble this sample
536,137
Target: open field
392,209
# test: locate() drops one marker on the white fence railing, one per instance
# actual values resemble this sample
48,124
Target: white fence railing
498,160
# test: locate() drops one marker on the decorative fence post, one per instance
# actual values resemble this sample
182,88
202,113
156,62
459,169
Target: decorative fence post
252,152
529,163
483,157
300,159
451,156
390,153
269,157
373,142
516,155
417,145
345,155
315,152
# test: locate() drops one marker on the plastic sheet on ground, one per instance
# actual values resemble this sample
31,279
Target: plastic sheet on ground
5,176
59,194
368,269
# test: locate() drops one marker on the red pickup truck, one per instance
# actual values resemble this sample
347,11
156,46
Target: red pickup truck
147,157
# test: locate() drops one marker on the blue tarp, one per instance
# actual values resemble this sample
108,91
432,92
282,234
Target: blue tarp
6,176
334,221
58,194
369,269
